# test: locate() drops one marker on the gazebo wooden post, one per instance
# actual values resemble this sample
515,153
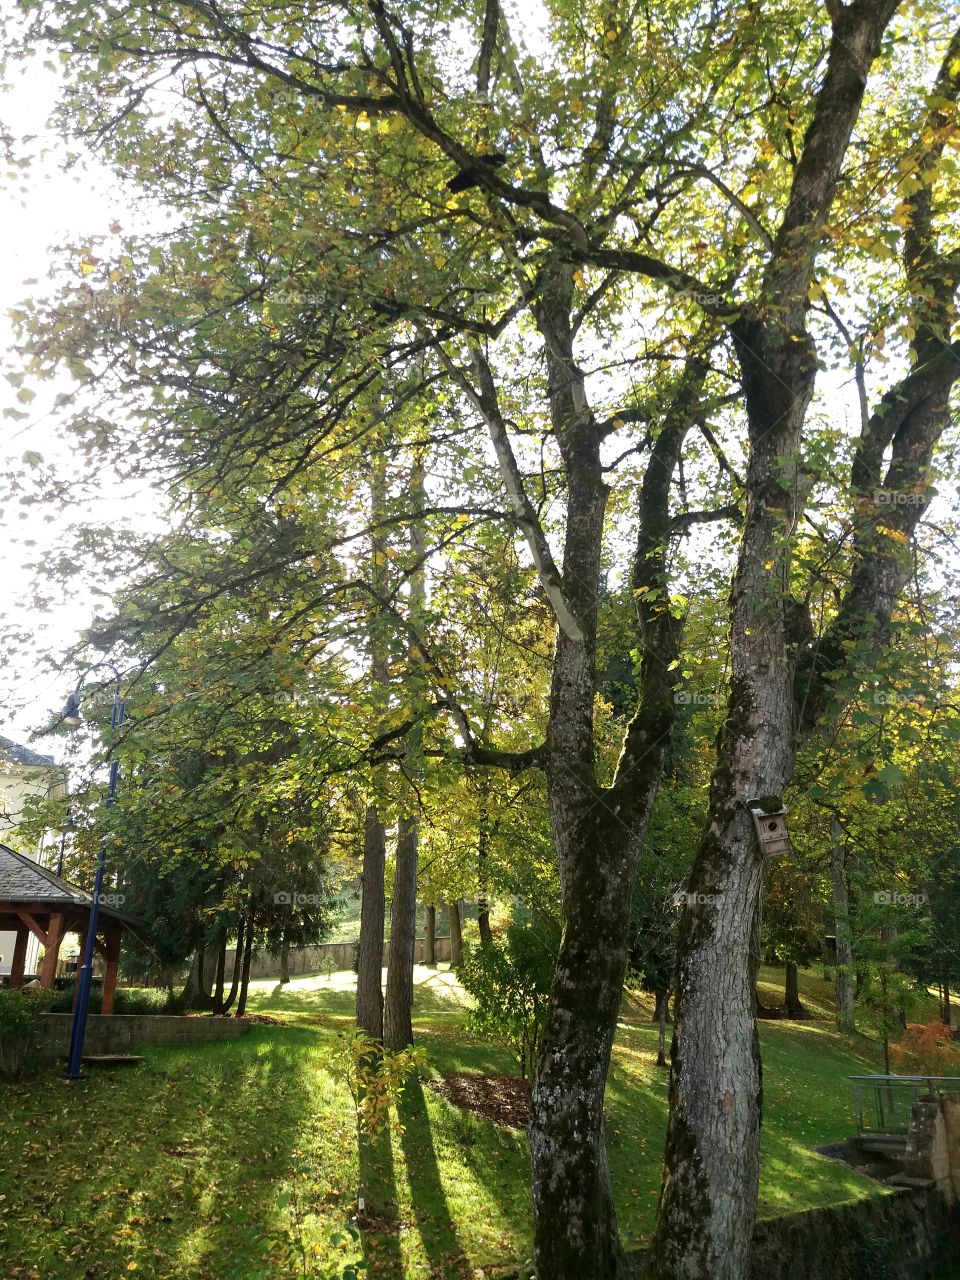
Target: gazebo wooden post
19,956
51,949
113,934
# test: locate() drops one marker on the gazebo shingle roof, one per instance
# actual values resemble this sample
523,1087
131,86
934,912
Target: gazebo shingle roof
12,753
22,880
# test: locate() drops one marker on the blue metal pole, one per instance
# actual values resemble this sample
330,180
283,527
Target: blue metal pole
79,1029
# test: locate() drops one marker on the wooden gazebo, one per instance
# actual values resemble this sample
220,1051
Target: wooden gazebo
34,900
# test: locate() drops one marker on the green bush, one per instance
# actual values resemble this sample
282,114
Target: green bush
127,1000
19,1011
510,981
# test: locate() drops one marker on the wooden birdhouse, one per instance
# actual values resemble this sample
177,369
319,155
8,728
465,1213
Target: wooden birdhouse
770,821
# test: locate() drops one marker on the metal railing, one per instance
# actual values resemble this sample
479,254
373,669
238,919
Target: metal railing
884,1103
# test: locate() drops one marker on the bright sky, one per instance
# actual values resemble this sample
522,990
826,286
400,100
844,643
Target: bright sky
39,208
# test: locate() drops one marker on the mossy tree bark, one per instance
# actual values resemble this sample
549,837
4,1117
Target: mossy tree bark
598,830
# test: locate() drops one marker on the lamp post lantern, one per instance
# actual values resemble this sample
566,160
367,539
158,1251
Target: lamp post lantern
71,716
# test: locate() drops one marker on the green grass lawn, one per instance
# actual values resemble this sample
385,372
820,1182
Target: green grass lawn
232,1161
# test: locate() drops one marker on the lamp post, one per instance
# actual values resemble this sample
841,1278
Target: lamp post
72,717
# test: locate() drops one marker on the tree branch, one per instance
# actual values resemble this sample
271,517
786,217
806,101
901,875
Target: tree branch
486,403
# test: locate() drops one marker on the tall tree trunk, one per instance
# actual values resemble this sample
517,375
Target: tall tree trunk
207,972
598,831
429,935
708,1198
245,972
483,854
567,1136
706,1217
483,922
947,1011
841,916
661,1007
372,893
221,968
792,1000
188,996
285,964
398,1009
372,913
237,965
196,993
456,934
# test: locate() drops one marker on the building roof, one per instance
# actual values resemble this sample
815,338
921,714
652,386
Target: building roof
22,880
12,753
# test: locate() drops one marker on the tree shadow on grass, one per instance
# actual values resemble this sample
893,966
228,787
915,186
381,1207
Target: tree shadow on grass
175,1165
438,1233
379,1221
246,1147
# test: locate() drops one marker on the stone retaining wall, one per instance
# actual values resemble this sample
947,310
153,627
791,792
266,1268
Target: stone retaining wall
314,959
912,1234
127,1032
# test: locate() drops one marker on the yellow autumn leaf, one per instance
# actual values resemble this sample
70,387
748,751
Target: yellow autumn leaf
896,534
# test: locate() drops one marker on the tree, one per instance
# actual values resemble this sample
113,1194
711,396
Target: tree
485,312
